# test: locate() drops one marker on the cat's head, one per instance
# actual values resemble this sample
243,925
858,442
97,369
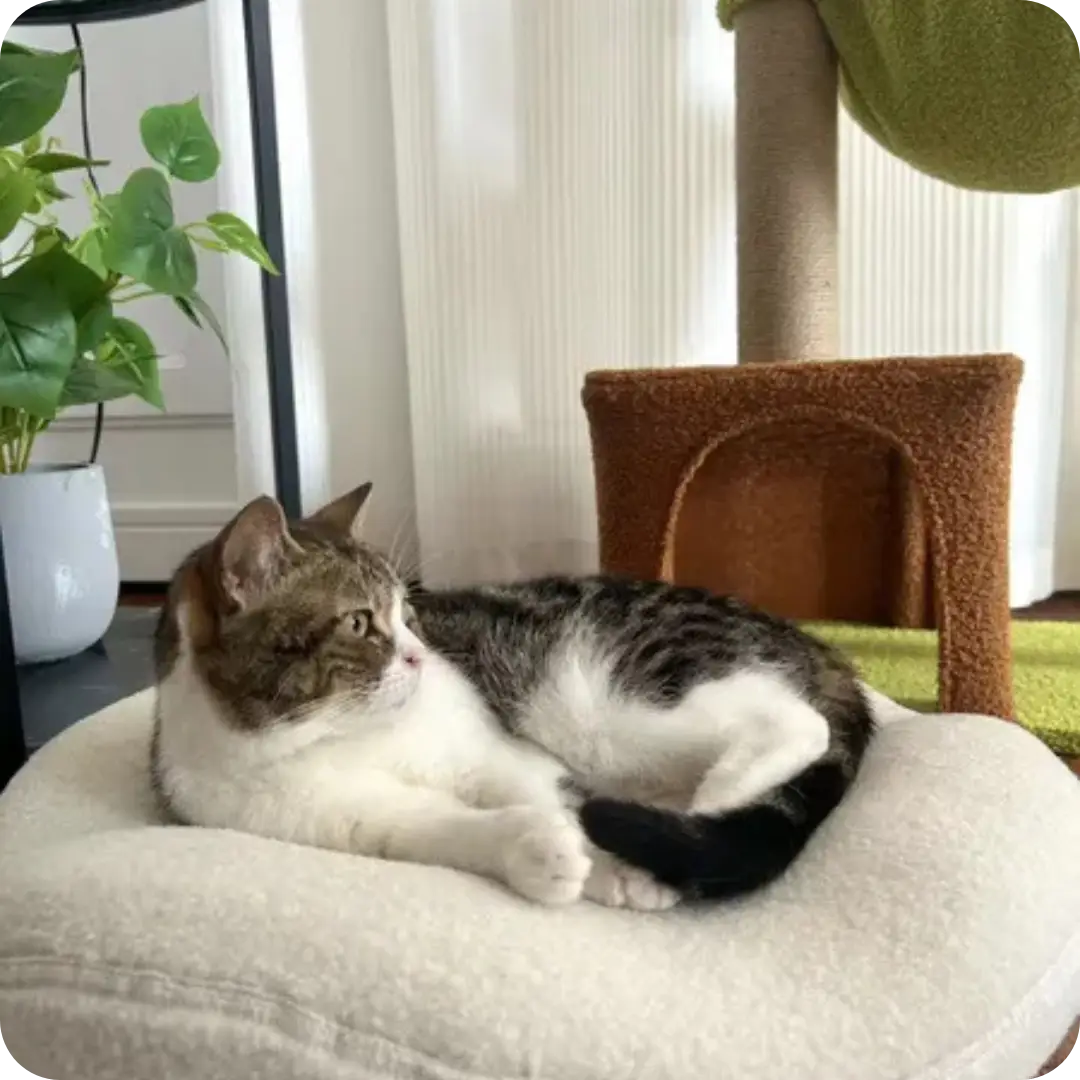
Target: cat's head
284,620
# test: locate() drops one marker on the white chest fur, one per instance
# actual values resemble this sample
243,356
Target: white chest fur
215,773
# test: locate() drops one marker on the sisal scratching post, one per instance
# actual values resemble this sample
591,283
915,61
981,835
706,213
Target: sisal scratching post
787,177
787,116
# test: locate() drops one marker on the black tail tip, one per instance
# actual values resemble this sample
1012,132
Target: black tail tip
610,823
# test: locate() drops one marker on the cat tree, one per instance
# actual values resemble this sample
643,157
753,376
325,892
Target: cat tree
874,492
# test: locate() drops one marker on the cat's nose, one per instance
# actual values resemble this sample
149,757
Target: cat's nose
411,658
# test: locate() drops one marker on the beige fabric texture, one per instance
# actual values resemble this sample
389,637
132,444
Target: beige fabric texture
787,184
930,931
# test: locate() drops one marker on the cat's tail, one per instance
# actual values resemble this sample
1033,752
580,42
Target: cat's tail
708,856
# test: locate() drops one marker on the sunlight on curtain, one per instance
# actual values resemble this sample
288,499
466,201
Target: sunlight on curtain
566,192
930,269
567,203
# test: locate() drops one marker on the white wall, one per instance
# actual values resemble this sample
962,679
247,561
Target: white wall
172,477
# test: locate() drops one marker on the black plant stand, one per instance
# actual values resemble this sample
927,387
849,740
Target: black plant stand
12,741
275,297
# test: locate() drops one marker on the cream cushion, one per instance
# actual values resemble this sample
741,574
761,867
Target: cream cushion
929,931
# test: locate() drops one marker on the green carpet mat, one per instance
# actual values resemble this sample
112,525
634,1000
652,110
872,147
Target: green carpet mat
1046,671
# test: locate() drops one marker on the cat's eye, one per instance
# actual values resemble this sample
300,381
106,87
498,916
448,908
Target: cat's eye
359,622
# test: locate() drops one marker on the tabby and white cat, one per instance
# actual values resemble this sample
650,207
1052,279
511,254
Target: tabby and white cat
629,742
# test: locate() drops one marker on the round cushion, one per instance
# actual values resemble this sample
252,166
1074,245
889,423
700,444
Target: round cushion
929,931
982,93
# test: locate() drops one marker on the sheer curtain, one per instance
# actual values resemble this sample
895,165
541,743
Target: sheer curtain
930,269
566,199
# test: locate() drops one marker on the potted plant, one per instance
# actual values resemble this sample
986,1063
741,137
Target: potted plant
64,340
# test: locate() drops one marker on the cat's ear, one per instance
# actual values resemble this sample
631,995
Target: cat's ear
254,550
345,516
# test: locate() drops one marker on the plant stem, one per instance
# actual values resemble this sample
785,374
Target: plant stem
15,452
8,421
126,298
26,442
16,256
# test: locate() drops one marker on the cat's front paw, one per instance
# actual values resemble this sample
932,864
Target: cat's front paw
545,858
614,883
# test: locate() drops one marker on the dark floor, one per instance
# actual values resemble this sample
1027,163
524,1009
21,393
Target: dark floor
54,696
1063,607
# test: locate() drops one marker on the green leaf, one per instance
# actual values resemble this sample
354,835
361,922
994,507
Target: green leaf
47,237
210,243
32,88
210,318
80,286
193,306
17,190
90,382
87,249
178,137
37,342
237,235
141,241
134,350
85,293
188,310
47,190
13,48
104,206
124,364
146,195
94,325
53,162
32,145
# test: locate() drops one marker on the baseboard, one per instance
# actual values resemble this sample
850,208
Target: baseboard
152,539
82,419
1067,569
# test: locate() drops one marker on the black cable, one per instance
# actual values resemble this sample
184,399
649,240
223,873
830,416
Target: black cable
58,12
84,116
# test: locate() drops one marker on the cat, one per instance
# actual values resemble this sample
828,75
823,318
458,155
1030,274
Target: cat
633,743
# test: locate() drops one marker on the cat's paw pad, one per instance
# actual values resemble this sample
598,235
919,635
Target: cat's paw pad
617,884
546,859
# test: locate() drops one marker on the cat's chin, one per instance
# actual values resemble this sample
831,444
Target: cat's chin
395,697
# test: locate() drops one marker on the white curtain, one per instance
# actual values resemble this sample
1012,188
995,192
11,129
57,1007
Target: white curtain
566,199
927,269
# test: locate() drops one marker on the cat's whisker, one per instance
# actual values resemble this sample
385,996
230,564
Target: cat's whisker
333,706
395,539
399,538
421,565
406,570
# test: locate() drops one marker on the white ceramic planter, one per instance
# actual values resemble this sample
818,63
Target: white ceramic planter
60,555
